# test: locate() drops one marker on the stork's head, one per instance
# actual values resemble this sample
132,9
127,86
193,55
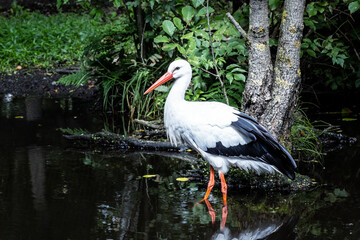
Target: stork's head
176,70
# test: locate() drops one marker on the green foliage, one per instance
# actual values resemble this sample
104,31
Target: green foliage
188,37
330,37
30,39
305,138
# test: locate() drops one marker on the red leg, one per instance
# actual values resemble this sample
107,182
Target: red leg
211,211
223,188
224,216
210,184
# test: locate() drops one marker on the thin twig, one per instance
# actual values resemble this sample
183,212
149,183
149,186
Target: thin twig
213,74
238,27
213,55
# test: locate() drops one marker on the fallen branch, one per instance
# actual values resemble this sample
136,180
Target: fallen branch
151,124
104,141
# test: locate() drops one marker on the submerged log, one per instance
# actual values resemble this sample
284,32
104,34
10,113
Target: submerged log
105,141
111,143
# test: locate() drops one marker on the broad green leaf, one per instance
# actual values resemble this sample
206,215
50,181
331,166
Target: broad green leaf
273,4
192,45
354,6
169,46
311,52
180,48
152,3
194,60
205,44
161,39
178,23
310,24
197,3
229,77
117,3
311,9
239,77
201,33
188,12
219,34
168,27
188,36
202,11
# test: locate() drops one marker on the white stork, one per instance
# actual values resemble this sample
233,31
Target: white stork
223,135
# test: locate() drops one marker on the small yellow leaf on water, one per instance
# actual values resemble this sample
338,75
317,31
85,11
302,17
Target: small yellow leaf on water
148,176
349,119
17,117
182,179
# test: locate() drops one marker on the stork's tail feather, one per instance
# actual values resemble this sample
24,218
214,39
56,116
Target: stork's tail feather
274,153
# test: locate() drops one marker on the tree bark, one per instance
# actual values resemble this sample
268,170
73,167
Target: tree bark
271,94
257,91
279,113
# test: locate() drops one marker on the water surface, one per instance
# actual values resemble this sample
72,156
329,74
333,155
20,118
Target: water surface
49,190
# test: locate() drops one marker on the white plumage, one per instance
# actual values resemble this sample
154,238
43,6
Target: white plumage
221,134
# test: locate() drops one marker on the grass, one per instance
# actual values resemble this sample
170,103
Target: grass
305,138
33,40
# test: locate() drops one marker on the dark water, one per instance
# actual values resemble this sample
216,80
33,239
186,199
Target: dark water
49,190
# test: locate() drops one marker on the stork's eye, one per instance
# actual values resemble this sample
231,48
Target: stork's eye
177,68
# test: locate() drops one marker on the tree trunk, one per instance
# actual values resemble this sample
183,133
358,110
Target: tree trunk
279,113
257,91
271,96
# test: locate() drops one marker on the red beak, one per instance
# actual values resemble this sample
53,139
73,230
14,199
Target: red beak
163,79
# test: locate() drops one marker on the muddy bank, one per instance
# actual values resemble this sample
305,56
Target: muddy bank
37,82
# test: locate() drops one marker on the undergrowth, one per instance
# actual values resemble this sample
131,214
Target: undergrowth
33,40
304,136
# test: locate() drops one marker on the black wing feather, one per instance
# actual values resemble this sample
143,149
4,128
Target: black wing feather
263,146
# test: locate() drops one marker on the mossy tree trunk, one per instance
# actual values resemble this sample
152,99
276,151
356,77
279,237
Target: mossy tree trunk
271,93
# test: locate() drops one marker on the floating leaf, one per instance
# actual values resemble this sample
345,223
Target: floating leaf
149,176
349,119
168,27
19,117
182,179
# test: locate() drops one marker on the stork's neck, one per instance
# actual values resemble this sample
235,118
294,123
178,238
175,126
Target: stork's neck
177,92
